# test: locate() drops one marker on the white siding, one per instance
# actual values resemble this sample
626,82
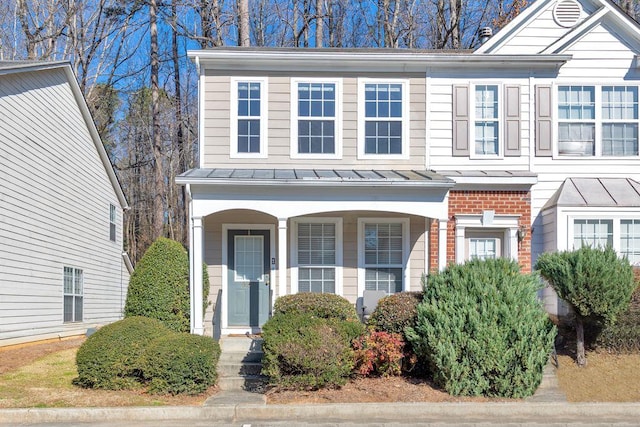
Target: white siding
54,212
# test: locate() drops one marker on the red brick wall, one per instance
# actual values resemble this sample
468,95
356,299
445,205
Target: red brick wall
474,202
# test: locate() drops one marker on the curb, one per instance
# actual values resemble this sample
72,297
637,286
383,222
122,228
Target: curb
396,412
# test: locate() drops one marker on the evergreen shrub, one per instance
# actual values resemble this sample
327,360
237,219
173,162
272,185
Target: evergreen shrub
482,330
623,336
303,351
181,363
159,286
327,306
395,312
111,358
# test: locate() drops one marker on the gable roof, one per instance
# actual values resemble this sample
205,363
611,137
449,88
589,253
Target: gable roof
602,8
11,67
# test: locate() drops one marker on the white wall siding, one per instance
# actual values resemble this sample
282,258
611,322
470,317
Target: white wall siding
54,213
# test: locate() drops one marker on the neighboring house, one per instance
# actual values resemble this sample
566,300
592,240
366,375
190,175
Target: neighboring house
340,170
62,267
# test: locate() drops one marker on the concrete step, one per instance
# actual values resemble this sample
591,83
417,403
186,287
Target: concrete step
248,382
241,357
231,369
241,344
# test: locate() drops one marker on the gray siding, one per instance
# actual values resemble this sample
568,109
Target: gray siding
54,212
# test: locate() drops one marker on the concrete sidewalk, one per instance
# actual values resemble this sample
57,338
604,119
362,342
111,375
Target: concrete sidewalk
513,414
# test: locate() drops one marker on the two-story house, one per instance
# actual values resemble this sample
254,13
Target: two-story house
340,171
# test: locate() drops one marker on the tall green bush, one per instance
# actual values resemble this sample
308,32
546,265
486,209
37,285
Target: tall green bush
595,282
302,351
159,286
181,363
111,358
482,329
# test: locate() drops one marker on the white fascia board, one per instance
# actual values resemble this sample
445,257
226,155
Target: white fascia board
494,180
306,60
24,66
312,183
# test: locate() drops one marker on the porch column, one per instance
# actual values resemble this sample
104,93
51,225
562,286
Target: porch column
282,256
512,233
197,318
459,244
442,243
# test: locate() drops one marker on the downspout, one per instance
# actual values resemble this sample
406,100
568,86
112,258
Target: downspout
201,82
191,279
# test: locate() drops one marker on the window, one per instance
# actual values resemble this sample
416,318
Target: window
383,119
592,232
317,257
598,121
73,284
383,255
486,120
316,110
248,118
483,248
630,240
112,223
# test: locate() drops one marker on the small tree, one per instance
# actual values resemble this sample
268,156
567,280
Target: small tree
595,282
159,286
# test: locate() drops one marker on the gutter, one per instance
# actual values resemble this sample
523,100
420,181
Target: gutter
314,182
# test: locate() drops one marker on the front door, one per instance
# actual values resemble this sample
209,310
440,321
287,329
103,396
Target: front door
248,287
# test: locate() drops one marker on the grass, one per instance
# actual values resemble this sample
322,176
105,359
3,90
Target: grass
606,378
47,383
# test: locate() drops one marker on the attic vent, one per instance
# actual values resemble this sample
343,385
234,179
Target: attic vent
567,13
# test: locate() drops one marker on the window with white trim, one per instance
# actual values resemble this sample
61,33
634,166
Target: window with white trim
112,223
73,294
592,232
486,120
383,119
315,130
316,255
598,121
483,248
630,240
384,256
248,117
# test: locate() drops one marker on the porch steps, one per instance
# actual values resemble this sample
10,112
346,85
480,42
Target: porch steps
240,364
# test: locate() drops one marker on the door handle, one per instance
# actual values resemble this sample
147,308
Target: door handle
267,280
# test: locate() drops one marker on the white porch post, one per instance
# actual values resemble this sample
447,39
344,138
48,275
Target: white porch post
197,318
460,244
442,243
282,256
513,242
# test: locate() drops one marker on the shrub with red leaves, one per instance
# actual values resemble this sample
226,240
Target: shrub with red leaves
379,353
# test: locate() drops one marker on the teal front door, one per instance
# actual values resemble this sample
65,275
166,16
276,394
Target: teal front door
248,277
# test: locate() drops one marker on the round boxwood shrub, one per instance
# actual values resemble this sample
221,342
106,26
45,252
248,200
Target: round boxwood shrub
159,286
302,351
181,363
396,312
328,306
111,358
482,330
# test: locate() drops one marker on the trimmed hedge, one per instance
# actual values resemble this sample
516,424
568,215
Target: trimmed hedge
111,358
181,363
396,312
327,306
159,286
623,336
483,330
302,351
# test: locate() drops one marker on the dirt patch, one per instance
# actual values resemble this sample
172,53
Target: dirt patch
363,390
15,356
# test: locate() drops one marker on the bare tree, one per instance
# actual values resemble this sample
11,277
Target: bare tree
243,23
157,228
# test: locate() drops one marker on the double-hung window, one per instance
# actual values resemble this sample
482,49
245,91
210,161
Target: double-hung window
317,256
112,223
383,254
383,120
598,121
487,120
315,130
73,294
592,232
630,240
249,117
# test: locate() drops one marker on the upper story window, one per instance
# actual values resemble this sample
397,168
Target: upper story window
487,120
249,117
112,223
315,129
383,119
598,121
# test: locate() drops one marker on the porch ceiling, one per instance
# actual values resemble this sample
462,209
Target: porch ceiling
321,177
